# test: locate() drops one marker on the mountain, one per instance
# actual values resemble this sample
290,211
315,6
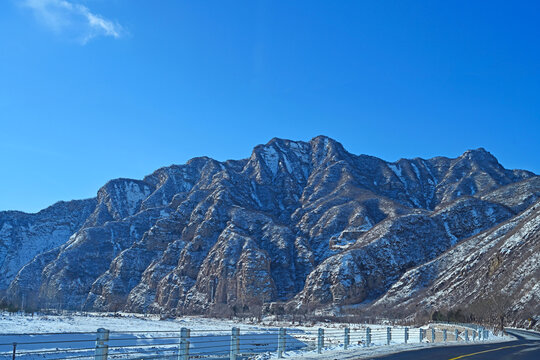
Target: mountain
306,224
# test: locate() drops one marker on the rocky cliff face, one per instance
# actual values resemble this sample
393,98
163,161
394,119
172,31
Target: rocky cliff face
493,273
301,222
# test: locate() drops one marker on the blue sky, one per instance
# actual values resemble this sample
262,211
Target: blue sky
92,90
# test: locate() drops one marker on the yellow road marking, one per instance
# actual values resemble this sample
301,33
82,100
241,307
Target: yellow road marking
486,351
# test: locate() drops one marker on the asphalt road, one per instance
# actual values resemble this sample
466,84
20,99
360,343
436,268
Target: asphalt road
526,347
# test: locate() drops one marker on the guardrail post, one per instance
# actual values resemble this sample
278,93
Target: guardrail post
467,335
420,335
388,335
14,350
432,335
320,340
474,335
486,334
235,343
456,333
406,336
102,348
347,338
184,344
444,334
281,342
368,336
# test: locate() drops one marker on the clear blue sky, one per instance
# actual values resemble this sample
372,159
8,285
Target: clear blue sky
92,90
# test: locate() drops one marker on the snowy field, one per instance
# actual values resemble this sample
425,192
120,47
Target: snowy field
18,323
138,337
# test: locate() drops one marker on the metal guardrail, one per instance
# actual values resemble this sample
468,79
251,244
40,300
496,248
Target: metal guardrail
232,344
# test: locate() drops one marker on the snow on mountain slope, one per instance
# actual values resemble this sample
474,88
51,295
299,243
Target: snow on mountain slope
296,221
378,258
495,266
23,236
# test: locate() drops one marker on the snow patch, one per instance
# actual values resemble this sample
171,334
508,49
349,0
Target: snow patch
416,171
397,170
434,179
254,195
288,164
271,158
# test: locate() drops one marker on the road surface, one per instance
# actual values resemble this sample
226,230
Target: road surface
525,347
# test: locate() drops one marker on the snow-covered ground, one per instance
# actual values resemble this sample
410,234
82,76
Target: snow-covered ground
132,336
90,322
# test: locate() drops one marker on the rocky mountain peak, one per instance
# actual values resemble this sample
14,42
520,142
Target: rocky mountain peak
481,157
326,149
123,197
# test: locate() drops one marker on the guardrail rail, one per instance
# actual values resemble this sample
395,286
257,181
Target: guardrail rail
233,344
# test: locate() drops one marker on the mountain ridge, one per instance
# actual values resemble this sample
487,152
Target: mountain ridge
188,238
